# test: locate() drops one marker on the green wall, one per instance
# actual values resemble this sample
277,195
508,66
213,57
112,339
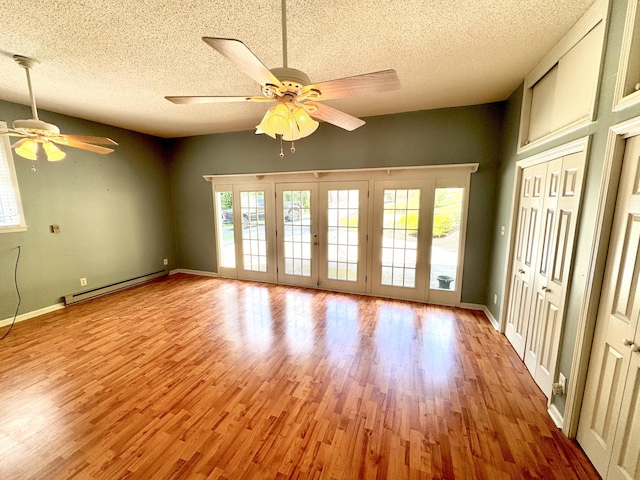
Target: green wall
114,212
598,130
455,135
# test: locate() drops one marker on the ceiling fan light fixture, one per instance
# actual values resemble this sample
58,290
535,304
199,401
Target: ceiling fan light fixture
54,154
275,121
27,148
306,124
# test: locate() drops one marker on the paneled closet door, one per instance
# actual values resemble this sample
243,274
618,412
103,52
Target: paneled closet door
609,429
522,275
563,188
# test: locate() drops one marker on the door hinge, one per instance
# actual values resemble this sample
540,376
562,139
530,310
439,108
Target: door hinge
276,269
367,193
367,237
318,284
365,279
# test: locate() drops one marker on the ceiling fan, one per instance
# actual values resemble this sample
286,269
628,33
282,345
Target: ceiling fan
297,99
35,132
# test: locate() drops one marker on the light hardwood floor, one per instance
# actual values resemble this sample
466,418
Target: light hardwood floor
192,378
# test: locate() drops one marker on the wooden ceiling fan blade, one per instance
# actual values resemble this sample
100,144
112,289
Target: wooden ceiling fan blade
189,100
244,59
374,82
81,145
90,139
335,117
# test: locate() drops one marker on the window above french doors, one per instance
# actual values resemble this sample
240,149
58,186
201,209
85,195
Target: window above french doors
396,232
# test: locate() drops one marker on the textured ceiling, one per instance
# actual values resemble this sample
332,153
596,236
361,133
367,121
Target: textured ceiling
113,61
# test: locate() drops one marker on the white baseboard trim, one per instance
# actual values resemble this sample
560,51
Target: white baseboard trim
35,313
472,306
556,416
202,273
484,309
491,318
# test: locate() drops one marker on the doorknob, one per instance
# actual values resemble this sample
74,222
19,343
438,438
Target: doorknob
627,342
521,271
635,348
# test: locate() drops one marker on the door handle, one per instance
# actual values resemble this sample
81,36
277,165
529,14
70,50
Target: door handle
626,342
521,271
635,348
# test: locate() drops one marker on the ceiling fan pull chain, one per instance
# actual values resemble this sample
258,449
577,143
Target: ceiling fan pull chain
281,150
293,147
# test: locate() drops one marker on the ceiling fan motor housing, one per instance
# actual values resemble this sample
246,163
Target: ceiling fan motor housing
36,126
291,78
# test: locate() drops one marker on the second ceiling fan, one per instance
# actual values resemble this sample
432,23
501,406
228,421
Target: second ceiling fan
297,100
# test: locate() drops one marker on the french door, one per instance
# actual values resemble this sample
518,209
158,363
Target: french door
395,232
321,234
402,216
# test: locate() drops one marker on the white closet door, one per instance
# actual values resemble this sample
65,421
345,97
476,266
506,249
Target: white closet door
522,275
610,416
559,217
577,80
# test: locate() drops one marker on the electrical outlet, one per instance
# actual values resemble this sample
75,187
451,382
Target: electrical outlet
562,380
495,298
559,388
83,282
166,261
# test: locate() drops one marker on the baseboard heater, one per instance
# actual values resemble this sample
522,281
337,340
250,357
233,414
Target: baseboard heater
97,292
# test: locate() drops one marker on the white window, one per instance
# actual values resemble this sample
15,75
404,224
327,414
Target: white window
11,216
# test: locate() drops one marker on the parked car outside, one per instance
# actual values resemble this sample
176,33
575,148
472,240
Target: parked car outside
227,216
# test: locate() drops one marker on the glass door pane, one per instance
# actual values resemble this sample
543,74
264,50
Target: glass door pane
297,234
253,224
224,225
400,223
254,242
447,212
343,235
401,218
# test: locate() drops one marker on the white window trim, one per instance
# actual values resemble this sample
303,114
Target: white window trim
596,14
6,145
620,101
